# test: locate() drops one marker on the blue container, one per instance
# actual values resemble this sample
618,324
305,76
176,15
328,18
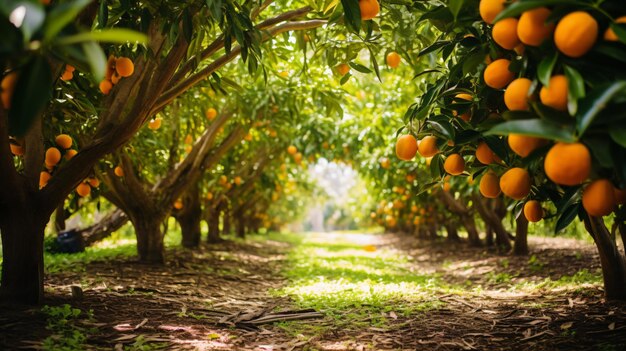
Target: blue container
70,241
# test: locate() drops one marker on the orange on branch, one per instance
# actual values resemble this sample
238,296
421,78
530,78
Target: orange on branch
516,94
568,164
124,66
485,155
83,189
291,150
406,147
94,182
599,198
533,211
515,183
343,69
119,171
393,59
576,33
69,154
497,74
489,9
555,94
44,177
211,113
454,164
524,145
53,156
16,149
369,9
105,87
504,33
64,141
489,185
155,123
427,147
532,28
609,34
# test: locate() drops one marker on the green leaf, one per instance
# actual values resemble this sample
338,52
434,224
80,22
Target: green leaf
96,59
537,128
61,15
33,91
518,7
576,88
434,47
618,134
103,15
359,67
544,70
352,14
566,217
455,6
620,31
114,35
595,102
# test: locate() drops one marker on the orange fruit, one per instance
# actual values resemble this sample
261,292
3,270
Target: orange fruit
115,78
385,163
209,196
599,198
53,156
516,94
64,141
7,87
106,86
515,183
555,94
489,185
119,171
410,178
446,186
248,137
497,74
110,68
69,154
393,59
343,69
94,182
291,150
69,68
489,9
454,164
568,164
467,115
178,204
504,33
427,147
297,157
484,154
66,76
576,33
211,113
237,180
533,211
223,180
155,123
16,149
609,34
532,28
188,139
83,189
124,66
524,145
369,9
406,147
44,177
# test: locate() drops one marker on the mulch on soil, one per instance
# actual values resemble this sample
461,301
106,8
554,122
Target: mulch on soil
208,299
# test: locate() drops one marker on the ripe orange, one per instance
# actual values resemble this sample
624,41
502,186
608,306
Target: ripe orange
237,180
83,189
178,204
369,9
7,87
454,164
53,156
489,9
94,182
64,141
497,74
248,137
110,68
69,154
115,78
124,66
211,113
489,185
188,148
155,123
515,183
410,178
106,86
67,76
16,149
504,33
524,145
297,157
223,180
385,163
467,115
406,147
532,28
568,164
291,150
609,34
516,94
119,171
446,186
533,211
599,198
393,59
188,139
209,196
576,33
44,177
343,69
427,147
484,154
555,94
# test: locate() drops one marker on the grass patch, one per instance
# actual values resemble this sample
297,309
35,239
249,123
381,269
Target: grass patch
334,273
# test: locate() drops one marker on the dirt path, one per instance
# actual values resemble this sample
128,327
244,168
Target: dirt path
376,292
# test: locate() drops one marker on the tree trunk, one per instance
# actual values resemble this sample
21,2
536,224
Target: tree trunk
612,261
520,246
214,226
472,233
453,234
104,228
240,225
492,219
489,235
189,219
149,238
59,217
226,220
22,233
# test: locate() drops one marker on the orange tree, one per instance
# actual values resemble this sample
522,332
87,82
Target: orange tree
530,94
187,42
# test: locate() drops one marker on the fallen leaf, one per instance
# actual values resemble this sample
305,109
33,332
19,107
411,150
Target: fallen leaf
612,326
567,325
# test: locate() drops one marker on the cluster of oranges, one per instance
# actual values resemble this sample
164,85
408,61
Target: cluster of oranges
117,67
68,73
293,151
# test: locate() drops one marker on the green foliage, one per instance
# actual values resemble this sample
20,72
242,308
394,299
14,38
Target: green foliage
68,333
